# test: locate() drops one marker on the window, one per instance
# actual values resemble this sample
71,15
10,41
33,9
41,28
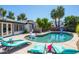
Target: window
9,28
0,29
20,27
15,27
4,29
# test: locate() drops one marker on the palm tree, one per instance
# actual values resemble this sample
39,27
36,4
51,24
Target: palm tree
22,16
18,18
54,16
43,24
3,12
60,12
1,9
11,15
57,13
39,23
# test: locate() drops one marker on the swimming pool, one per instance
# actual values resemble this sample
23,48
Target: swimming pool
52,37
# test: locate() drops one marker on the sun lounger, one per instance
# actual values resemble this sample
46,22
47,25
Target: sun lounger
1,38
5,40
70,51
62,50
15,43
38,49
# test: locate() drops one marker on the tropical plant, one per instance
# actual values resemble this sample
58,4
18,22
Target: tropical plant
77,29
60,12
71,22
1,9
25,31
57,13
11,15
43,24
22,16
39,23
54,16
3,12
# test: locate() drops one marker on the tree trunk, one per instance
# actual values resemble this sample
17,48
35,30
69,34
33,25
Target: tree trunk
41,30
55,23
58,23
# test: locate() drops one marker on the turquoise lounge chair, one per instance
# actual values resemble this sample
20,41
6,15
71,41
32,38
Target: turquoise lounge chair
2,39
62,50
38,49
15,43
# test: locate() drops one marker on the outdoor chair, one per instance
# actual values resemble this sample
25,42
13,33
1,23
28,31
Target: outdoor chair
37,49
62,50
13,43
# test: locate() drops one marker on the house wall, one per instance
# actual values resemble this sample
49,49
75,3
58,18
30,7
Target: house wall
0,29
7,29
18,29
28,27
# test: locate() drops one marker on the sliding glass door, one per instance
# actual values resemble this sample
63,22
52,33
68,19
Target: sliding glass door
9,29
4,29
0,30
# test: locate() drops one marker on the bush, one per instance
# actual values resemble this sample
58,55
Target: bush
71,23
77,29
25,31
37,30
43,24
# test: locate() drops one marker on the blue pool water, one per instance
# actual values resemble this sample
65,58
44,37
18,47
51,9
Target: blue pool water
52,37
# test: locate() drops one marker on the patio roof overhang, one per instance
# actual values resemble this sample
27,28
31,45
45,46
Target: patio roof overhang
11,21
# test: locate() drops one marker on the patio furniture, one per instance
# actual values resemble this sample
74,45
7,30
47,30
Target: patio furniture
38,49
62,50
14,43
1,38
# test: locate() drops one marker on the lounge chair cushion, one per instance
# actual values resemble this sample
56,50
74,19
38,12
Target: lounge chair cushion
14,44
70,51
1,38
39,48
58,49
62,50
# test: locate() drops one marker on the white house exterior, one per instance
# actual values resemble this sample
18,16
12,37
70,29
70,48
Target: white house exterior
30,25
10,27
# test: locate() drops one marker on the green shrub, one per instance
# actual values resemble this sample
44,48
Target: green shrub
71,23
25,31
77,29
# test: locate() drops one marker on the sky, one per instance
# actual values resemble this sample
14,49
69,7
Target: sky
40,11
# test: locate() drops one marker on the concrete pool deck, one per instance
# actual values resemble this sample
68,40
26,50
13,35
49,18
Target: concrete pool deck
73,43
